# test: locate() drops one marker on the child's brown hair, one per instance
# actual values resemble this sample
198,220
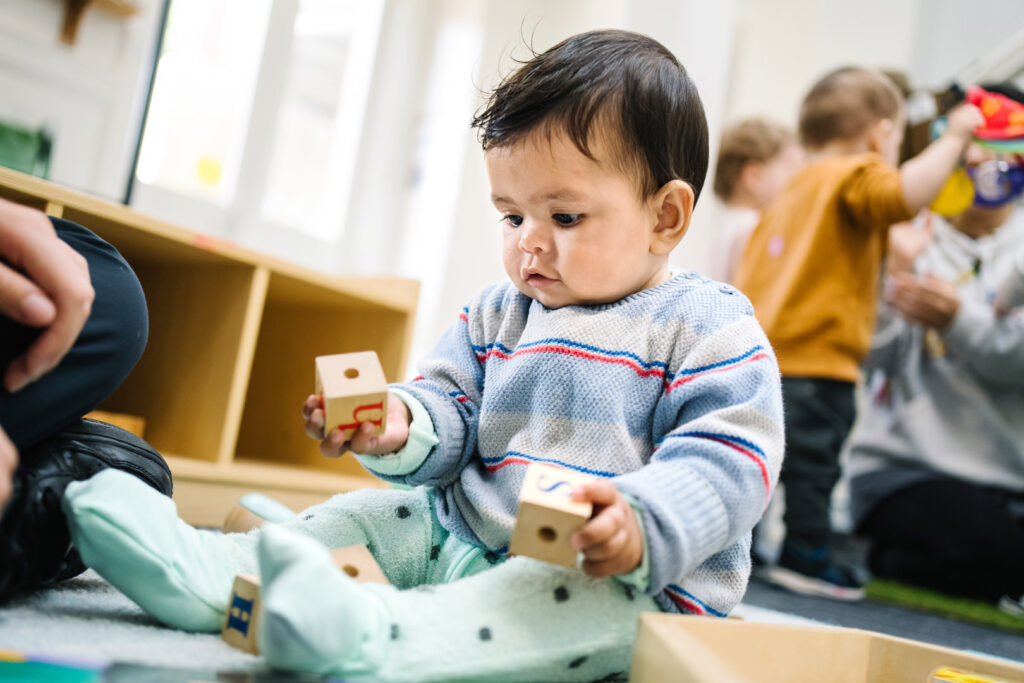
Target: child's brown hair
749,141
845,103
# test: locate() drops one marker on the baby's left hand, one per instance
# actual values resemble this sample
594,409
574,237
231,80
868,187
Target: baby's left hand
610,541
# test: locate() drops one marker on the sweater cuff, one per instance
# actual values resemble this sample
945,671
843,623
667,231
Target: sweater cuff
639,578
418,446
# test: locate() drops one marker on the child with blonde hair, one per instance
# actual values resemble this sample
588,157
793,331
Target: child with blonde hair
756,158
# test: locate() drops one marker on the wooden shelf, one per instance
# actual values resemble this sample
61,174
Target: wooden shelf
233,334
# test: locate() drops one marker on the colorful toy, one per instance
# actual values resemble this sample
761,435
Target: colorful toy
1004,118
996,182
956,195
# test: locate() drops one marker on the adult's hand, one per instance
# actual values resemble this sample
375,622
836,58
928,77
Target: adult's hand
927,301
43,283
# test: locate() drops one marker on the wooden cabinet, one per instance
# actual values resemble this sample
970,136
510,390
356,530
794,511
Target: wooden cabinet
233,335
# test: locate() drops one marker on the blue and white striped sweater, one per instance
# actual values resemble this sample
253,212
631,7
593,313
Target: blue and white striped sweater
673,391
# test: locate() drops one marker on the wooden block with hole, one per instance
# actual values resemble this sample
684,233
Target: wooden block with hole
547,517
241,520
241,626
352,390
357,561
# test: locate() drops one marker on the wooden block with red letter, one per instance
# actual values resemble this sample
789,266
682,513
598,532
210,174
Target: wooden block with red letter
547,516
352,390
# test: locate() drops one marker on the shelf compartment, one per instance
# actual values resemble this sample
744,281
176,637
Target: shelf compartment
291,336
190,383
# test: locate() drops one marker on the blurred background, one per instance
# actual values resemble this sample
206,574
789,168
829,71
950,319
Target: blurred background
334,133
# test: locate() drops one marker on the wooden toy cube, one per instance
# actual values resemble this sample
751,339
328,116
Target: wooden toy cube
241,626
547,516
240,520
352,390
357,561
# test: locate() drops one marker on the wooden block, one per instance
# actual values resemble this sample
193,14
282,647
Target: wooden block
241,625
357,561
241,520
352,390
547,518
131,423
703,650
253,511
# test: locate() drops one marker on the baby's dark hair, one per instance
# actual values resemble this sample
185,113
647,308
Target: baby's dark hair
626,82
845,103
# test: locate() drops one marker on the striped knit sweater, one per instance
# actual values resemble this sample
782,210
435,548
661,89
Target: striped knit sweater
673,392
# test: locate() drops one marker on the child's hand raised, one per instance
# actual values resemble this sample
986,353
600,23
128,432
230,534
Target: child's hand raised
363,440
610,541
963,120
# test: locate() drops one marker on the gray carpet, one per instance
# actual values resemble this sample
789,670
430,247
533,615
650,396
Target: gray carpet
87,620
889,619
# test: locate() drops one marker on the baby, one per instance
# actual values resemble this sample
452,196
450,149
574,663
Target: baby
593,357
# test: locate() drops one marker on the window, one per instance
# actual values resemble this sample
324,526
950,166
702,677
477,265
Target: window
255,118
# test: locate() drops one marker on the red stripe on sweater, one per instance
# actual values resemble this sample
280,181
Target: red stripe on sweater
643,372
683,380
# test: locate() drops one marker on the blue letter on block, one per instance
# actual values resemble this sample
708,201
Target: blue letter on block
240,615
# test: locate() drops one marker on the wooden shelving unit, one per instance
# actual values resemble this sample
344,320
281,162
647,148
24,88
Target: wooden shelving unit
233,335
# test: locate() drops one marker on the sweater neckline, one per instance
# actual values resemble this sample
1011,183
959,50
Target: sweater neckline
676,278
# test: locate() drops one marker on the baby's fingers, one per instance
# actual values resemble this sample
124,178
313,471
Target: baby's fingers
334,444
311,403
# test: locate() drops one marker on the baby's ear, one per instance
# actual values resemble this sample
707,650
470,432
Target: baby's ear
673,204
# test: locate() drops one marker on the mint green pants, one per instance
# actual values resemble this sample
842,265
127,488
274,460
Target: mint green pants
453,611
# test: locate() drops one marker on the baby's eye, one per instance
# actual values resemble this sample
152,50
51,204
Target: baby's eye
512,219
567,219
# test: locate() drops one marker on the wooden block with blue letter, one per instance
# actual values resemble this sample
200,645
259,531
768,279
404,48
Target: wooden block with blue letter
241,627
352,390
547,516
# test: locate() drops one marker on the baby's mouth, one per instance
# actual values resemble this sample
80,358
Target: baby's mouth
537,280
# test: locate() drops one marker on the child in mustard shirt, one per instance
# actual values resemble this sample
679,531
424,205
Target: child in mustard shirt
811,269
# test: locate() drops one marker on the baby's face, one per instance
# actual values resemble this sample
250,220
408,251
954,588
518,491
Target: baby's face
575,230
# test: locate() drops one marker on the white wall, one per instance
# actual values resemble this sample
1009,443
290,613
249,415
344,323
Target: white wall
89,95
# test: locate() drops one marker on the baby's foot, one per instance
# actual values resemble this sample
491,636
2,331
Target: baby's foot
315,617
131,535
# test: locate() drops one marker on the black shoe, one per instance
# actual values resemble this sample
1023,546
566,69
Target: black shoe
812,571
35,546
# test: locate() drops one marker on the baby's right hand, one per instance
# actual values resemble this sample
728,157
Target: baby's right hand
363,440
963,120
